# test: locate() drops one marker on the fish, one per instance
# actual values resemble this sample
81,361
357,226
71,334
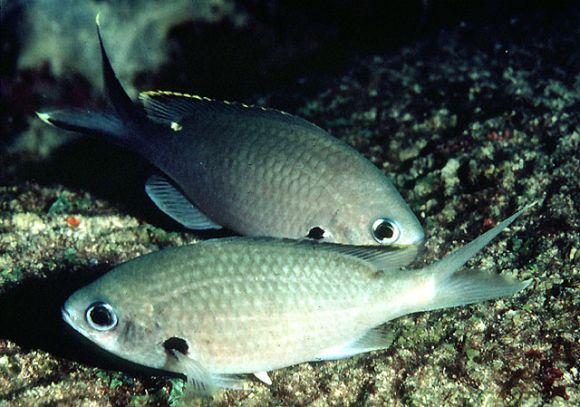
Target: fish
221,308
253,170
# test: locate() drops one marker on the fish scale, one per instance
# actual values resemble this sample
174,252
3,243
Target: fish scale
227,289
256,171
232,306
229,306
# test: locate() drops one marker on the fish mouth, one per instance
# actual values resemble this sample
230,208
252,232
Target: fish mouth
66,316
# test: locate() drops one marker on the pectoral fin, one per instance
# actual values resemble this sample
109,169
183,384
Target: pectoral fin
199,381
171,200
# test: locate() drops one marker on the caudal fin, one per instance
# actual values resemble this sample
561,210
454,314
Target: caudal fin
453,287
85,121
121,102
471,286
126,123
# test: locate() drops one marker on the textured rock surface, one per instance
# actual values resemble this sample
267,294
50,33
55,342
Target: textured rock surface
472,122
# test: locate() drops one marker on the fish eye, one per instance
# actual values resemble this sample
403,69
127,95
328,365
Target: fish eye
101,317
386,231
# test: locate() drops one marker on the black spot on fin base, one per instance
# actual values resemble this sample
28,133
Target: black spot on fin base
171,200
176,344
316,233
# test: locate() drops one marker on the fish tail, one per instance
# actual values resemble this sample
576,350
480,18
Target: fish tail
85,121
472,286
451,287
127,123
122,103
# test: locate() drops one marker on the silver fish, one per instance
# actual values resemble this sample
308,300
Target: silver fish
247,306
256,171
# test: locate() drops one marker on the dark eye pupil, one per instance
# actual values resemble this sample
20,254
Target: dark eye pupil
316,233
384,231
101,316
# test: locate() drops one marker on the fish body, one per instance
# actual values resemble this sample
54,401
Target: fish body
246,305
256,171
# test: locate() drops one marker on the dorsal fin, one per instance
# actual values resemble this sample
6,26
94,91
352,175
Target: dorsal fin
170,108
383,258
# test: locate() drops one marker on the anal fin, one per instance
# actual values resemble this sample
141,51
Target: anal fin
374,339
263,377
171,200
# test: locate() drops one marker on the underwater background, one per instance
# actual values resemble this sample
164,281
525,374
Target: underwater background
472,108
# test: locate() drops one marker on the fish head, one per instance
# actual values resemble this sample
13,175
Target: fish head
367,220
116,323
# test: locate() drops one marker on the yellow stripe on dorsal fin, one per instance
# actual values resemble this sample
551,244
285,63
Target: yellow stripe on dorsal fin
169,107
152,93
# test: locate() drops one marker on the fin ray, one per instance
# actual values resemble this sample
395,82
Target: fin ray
459,257
172,201
374,339
121,102
472,286
199,380
445,285
167,107
382,258
263,377
85,121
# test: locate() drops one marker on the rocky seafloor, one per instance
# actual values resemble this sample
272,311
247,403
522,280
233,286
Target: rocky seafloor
472,121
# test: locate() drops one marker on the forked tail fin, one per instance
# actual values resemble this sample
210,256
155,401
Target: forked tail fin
86,122
448,286
122,103
126,124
